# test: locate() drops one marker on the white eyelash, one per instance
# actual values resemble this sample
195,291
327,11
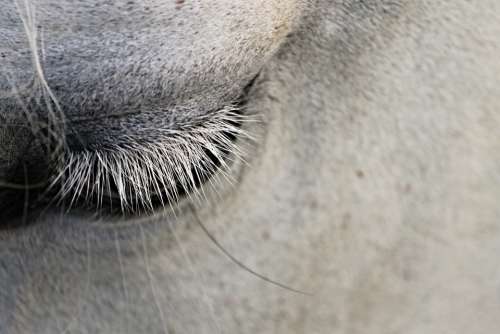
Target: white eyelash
144,172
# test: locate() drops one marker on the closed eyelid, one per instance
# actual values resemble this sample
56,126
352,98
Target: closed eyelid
137,176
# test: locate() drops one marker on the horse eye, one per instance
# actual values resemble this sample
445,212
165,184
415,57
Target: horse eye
134,176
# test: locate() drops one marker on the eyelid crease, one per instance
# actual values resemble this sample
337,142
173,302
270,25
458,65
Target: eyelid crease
137,174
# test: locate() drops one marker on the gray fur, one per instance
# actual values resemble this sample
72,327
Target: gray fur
373,183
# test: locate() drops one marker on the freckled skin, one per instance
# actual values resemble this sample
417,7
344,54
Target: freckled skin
373,182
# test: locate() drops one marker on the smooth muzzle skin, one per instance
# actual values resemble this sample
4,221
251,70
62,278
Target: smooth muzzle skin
371,184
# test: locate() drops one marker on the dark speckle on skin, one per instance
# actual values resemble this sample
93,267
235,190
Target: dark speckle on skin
179,4
346,221
360,174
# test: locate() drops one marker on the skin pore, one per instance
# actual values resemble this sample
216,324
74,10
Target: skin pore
370,180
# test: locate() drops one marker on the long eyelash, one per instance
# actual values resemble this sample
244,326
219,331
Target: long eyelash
141,174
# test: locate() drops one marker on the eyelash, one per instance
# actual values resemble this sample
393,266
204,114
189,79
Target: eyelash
141,176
